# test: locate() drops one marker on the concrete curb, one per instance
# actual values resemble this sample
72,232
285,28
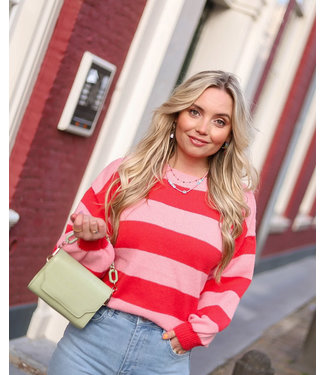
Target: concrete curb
31,356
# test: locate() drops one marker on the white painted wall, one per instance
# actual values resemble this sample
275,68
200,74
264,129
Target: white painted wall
298,158
31,28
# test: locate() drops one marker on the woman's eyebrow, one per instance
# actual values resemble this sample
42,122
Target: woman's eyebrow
223,115
197,107
216,114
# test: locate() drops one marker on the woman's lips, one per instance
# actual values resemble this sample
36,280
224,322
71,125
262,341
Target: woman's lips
197,142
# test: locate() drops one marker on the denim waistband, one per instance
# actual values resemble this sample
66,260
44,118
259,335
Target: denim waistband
135,319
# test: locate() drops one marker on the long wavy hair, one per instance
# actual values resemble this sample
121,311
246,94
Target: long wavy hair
230,171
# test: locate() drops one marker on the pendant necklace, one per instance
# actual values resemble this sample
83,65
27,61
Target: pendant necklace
198,181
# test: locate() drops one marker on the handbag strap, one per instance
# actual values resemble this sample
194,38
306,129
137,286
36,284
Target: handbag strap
112,272
113,276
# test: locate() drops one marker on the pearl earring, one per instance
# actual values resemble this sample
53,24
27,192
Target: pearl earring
172,134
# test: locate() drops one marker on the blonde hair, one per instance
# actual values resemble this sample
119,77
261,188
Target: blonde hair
230,172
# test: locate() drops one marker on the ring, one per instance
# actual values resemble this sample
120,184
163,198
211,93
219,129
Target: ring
94,231
77,230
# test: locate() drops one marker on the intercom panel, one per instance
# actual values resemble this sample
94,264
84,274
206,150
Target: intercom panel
87,95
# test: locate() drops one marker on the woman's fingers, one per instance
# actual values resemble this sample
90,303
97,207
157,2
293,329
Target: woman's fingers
168,335
73,217
176,346
93,226
85,228
78,223
88,227
101,226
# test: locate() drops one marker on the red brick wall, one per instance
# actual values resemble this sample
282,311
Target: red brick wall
46,165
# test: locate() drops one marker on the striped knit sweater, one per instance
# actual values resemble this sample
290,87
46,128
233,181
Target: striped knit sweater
166,251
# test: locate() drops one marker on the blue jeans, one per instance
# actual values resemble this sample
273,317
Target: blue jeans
117,343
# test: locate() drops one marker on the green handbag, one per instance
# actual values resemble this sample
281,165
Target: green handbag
69,288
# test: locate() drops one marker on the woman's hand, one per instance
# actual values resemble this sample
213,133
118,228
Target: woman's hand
176,346
88,228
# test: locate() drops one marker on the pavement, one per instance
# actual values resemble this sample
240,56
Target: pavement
273,316
284,343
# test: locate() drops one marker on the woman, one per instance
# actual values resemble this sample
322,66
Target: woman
177,216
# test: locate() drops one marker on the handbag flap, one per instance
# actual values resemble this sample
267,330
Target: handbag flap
72,285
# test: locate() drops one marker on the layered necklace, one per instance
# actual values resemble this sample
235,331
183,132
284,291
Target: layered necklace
184,191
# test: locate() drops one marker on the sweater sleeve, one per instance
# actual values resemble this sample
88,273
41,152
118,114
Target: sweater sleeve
96,255
218,301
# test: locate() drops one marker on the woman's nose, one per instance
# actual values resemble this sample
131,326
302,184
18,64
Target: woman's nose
202,127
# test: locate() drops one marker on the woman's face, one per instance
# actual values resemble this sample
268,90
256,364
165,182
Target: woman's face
202,129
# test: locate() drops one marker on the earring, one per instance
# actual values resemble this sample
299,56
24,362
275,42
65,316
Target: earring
172,134
225,146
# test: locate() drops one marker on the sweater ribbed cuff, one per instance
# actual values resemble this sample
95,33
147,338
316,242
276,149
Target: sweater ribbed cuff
92,245
187,337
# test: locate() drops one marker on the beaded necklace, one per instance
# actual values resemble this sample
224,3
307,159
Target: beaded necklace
198,181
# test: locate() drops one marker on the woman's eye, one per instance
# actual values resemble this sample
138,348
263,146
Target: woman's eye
194,112
220,122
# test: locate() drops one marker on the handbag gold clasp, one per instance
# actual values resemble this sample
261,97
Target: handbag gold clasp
53,254
113,276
